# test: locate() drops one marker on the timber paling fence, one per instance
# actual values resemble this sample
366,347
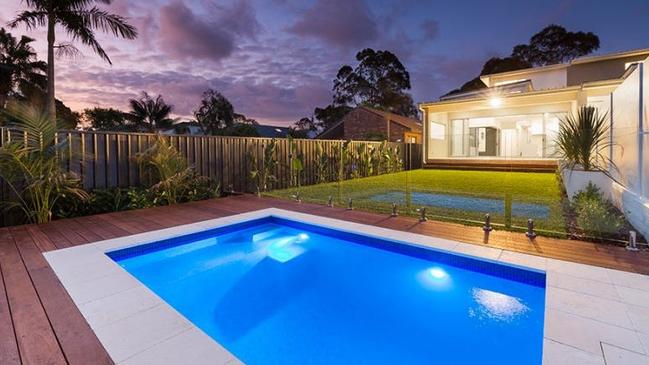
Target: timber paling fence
106,159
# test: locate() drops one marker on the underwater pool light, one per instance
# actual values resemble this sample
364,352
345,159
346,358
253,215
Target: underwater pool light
437,273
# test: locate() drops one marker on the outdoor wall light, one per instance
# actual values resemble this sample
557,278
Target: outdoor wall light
495,102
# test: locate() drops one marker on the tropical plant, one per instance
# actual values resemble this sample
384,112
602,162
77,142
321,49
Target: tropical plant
342,159
18,66
264,173
583,139
149,113
79,19
295,162
321,164
391,159
169,168
31,168
363,156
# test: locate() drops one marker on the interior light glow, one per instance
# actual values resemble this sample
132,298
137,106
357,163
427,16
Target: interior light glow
303,236
495,102
437,273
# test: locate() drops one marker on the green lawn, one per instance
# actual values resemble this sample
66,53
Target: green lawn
525,195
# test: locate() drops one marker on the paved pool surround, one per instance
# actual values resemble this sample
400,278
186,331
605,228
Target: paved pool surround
593,315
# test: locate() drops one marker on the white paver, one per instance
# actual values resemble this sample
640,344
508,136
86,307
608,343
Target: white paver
585,286
197,349
587,334
584,305
521,259
104,311
137,333
615,355
555,353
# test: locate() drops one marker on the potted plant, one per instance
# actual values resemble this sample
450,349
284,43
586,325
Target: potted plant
582,142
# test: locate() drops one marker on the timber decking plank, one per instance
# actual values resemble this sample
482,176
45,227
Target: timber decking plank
9,353
42,241
77,339
36,340
72,331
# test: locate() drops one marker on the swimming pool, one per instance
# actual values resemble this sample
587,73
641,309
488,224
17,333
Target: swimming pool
276,291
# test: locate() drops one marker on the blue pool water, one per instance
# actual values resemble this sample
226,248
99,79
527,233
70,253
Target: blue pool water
274,291
482,205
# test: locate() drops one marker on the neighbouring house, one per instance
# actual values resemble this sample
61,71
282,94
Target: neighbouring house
364,123
194,129
512,123
271,131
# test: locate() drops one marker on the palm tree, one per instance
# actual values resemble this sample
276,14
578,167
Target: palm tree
19,68
79,19
150,113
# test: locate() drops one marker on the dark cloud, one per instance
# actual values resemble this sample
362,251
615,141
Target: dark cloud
239,19
342,23
184,35
430,29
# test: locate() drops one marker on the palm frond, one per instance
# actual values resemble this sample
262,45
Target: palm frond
30,18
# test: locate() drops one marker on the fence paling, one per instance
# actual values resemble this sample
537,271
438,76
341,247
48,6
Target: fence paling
105,159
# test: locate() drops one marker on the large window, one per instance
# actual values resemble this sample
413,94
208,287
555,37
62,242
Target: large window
513,136
437,131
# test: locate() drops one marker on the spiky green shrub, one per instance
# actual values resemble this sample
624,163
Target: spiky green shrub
264,172
583,140
168,168
32,169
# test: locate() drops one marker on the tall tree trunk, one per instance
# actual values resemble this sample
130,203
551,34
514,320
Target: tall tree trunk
51,100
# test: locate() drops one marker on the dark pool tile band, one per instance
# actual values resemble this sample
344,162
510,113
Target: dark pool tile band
527,276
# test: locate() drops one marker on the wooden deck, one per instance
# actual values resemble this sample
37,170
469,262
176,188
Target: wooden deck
493,164
39,323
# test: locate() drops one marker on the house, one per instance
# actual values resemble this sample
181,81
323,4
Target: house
513,122
271,131
364,123
193,128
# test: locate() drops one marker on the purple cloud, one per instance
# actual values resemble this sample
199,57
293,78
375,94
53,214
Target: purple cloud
342,23
184,35
430,29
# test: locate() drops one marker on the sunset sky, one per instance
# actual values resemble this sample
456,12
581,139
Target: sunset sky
275,59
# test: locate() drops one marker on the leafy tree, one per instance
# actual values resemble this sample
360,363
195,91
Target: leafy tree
306,124
553,44
215,113
379,80
330,115
107,119
19,67
79,19
302,128
149,113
